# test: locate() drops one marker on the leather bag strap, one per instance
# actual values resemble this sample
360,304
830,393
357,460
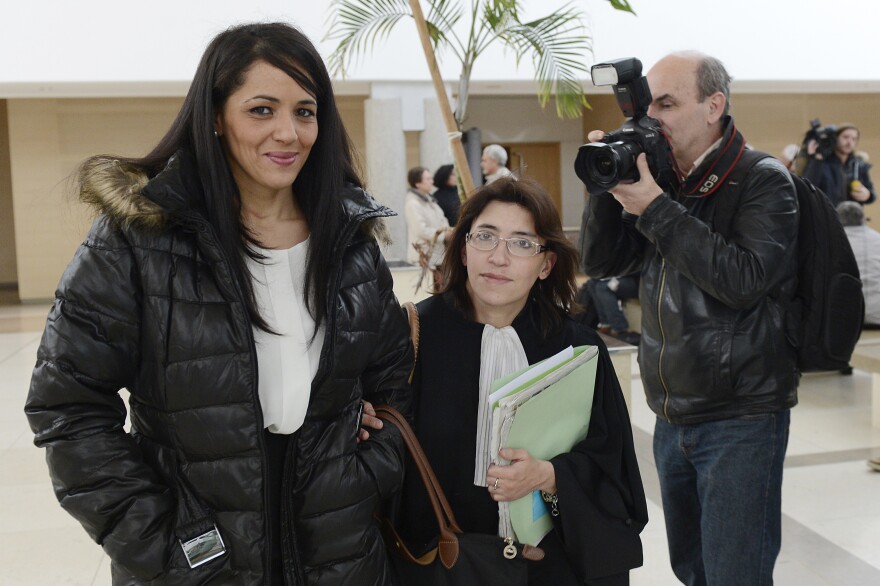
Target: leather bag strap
448,542
412,314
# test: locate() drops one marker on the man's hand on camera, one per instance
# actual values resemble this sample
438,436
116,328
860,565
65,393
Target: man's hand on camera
595,135
636,197
812,149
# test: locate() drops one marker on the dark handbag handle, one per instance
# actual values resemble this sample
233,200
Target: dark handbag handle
447,544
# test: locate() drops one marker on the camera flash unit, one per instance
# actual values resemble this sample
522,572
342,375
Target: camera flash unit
603,74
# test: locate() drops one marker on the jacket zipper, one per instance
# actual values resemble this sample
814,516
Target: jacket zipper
350,229
662,339
205,228
327,352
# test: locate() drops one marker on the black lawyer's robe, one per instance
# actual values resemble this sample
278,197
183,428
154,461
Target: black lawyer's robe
601,498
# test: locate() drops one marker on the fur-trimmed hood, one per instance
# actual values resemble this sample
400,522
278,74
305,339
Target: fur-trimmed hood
127,196
114,189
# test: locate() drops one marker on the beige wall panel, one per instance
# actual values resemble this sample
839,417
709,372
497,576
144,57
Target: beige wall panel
604,115
351,109
413,154
8,273
48,138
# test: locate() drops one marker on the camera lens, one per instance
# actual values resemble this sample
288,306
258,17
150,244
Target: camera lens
602,166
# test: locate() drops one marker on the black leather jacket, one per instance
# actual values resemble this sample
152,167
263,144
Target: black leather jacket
714,342
151,306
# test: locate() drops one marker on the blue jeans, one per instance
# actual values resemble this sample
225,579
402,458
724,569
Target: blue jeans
721,484
607,301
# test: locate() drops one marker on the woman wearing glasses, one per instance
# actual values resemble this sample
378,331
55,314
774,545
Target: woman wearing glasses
508,283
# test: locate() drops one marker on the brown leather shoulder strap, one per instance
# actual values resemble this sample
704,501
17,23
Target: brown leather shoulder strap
412,313
448,542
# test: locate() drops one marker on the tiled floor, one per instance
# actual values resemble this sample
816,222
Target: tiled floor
831,503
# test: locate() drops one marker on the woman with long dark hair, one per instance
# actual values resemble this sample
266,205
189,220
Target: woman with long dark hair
508,282
233,284
446,195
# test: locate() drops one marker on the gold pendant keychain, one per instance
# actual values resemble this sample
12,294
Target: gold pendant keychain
509,549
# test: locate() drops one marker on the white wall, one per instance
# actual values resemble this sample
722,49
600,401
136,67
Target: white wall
46,41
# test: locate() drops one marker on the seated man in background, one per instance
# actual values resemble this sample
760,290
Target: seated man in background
603,298
865,243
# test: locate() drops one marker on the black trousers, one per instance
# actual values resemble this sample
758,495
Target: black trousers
276,449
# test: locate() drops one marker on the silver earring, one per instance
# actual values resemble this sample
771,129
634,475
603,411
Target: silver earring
216,134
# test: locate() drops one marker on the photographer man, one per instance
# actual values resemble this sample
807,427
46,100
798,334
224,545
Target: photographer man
842,175
715,364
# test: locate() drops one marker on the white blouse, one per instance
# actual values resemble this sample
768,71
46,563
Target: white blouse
288,360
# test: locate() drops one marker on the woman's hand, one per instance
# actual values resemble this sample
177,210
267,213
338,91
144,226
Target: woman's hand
368,419
522,476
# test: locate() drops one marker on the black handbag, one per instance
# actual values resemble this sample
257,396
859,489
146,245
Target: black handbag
455,558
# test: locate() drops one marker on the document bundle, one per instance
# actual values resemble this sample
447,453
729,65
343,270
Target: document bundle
544,409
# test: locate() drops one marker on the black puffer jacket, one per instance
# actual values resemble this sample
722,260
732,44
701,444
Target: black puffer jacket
714,342
149,305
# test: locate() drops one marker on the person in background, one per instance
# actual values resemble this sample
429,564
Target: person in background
789,156
447,192
606,295
508,280
426,224
234,285
711,308
493,162
844,175
865,243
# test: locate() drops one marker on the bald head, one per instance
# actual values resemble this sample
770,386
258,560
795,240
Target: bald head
709,73
690,99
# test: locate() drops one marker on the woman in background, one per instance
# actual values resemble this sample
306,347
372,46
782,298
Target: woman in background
447,192
426,225
508,283
234,285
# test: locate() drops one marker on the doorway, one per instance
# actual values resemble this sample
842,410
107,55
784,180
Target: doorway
540,161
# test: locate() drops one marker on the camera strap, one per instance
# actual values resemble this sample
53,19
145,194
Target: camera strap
719,168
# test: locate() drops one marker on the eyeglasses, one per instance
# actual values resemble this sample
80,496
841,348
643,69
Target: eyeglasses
516,246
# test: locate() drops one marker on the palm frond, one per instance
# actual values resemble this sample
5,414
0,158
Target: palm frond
441,19
559,49
358,24
622,5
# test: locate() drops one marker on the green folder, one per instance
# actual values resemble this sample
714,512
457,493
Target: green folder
547,424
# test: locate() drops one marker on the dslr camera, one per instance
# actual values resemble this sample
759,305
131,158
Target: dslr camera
825,137
602,165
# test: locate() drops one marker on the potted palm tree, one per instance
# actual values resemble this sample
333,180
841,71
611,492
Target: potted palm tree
556,44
